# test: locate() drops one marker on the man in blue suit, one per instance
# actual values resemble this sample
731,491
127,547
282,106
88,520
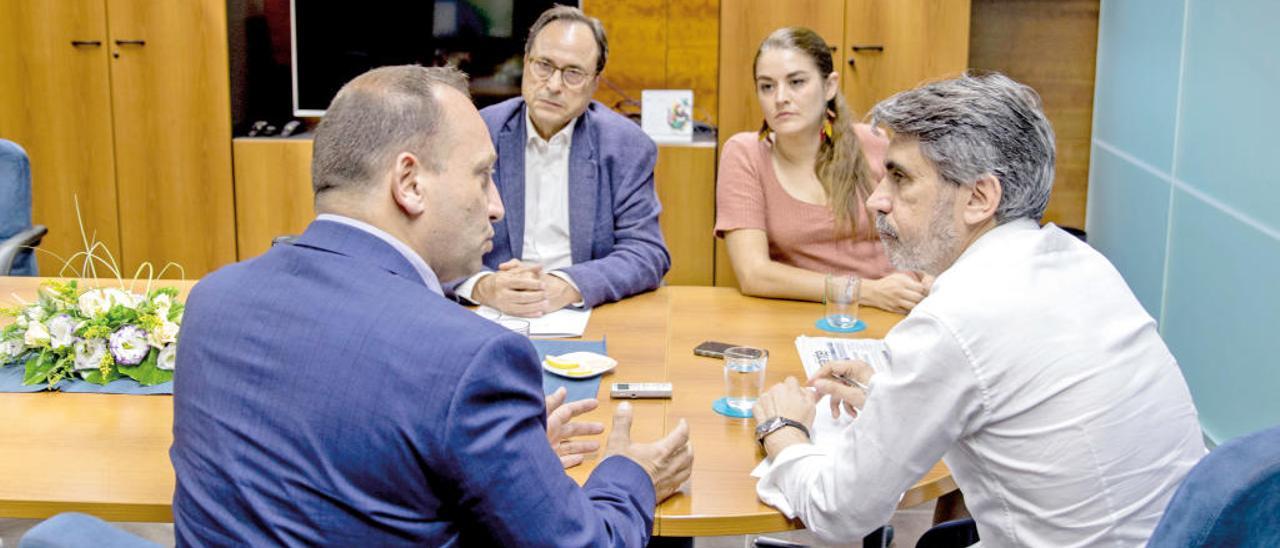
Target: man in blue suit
577,182
329,394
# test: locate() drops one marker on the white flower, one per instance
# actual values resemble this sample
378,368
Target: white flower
10,350
62,331
163,334
33,313
37,335
89,354
163,303
96,302
168,357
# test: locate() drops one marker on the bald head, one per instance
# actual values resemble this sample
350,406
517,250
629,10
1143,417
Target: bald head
376,116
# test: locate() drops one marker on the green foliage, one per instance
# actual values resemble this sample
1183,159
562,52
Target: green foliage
175,311
146,373
46,367
97,378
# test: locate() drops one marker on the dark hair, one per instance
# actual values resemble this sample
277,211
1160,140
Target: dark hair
379,114
569,13
840,166
976,124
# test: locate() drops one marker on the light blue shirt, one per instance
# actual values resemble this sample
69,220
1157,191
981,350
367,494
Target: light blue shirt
428,276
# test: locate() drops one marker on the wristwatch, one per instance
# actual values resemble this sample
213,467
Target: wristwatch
774,424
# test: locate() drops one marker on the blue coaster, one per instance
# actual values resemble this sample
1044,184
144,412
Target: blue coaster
722,407
856,327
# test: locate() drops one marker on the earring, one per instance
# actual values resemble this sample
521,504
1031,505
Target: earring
828,132
764,130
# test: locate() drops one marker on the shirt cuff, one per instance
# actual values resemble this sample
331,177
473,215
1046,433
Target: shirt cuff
463,291
772,474
565,276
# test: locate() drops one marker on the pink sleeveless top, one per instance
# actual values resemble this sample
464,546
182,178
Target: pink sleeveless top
801,234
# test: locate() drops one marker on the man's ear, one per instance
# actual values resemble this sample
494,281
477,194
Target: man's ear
408,184
984,198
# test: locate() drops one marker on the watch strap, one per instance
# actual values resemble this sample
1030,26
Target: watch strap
778,423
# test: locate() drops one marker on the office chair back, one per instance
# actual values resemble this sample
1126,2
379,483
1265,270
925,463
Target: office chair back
17,234
1230,498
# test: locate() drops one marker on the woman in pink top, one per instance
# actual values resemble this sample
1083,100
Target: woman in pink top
790,200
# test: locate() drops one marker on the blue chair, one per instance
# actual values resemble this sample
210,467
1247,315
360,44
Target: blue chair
75,530
1230,498
17,235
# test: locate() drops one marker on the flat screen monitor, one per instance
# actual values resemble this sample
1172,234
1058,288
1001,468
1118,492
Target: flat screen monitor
334,41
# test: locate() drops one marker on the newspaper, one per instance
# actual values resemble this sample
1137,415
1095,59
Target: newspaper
816,351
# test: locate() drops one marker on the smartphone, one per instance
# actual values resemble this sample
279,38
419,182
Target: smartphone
712,349
633,390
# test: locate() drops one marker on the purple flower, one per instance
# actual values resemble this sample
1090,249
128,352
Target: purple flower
129,345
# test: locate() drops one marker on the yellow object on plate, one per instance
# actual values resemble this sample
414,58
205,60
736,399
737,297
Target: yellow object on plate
578,365
560,362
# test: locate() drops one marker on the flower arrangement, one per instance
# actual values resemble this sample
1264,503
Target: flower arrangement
97,334
100,333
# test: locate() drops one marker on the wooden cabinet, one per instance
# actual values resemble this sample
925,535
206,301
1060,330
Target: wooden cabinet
55,101
273,191
894,45
125,105
880,47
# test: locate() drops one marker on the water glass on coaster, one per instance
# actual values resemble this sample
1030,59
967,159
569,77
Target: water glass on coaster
840,298
743,381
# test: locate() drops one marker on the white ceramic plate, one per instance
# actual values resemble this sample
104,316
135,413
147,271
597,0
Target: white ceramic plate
590,365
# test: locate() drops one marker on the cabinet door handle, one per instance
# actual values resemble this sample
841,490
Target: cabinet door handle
79,43
131,42
872,47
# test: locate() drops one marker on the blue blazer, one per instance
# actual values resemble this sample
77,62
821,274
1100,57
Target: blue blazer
614,236
325,396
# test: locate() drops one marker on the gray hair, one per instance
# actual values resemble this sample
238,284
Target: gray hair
376,116
980,124
575,15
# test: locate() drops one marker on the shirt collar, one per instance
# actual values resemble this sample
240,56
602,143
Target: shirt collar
565,135
428,276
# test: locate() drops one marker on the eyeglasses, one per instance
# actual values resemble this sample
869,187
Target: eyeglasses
571,76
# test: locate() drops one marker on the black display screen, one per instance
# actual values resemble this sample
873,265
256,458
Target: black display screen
335,41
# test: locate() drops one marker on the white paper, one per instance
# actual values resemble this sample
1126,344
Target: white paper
566,322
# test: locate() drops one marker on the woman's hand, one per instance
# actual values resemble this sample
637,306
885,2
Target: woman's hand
898,292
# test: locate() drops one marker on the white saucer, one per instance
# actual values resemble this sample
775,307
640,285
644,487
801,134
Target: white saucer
594,364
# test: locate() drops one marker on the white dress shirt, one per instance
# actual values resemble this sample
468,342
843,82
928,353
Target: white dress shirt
546,205
1034,373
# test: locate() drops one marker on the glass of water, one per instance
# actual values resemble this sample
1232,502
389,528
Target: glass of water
841,300
744,377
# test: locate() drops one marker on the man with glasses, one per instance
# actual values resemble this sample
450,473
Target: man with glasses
576,180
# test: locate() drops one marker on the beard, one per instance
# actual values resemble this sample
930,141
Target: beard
929,253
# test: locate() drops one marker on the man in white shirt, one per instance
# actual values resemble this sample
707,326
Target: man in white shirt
577,182
1030,369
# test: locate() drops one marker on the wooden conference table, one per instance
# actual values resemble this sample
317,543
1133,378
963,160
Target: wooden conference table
108,454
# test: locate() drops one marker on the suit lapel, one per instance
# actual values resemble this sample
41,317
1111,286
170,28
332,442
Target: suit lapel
511,143
583,189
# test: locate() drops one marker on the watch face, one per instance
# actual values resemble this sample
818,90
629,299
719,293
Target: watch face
763,429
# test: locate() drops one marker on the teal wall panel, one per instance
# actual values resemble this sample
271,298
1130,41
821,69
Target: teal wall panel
1221,317
1136,86
1133,238
1230,113
1214,284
